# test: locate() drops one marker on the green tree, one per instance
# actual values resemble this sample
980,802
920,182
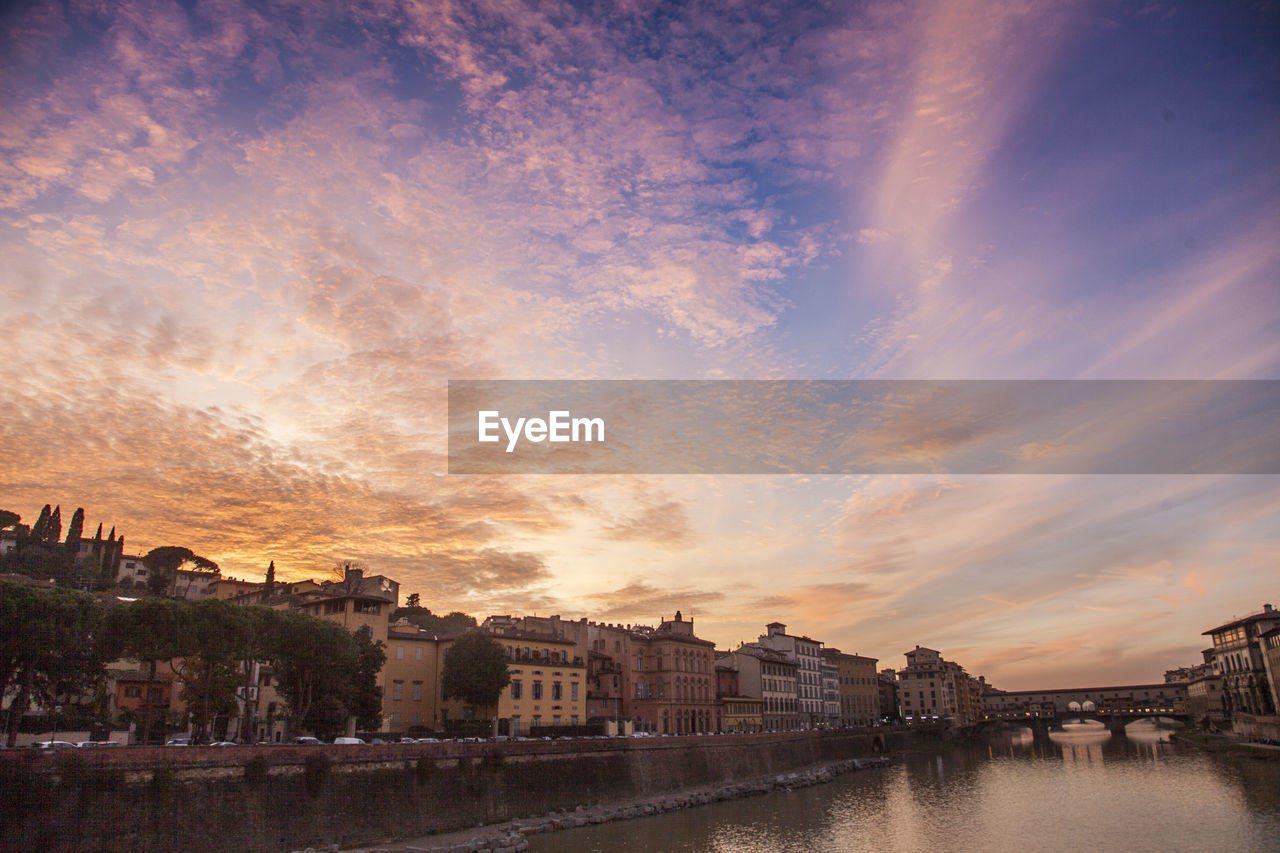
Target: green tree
414,601
74,531
455,623
475,670
324,673
149,630
163,564
40,530
48,647
210,650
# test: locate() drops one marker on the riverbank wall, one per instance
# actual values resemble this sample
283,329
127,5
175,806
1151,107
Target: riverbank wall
280,798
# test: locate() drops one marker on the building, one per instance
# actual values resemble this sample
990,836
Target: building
926,687
738,712
1271,662
887,694
806,654
830,695
858,687
770,678
667,676
1239,657
548,678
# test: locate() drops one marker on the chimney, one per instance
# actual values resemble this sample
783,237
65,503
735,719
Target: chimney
1266,608
354,577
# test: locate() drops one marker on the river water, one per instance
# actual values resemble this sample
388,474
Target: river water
1086,792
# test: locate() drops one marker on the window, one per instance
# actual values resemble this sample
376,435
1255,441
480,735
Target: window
399,652
537,690
557,691
397,690
417,691
516,689
418,652
573,693
133,692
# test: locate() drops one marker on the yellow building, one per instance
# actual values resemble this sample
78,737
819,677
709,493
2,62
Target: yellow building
859,687
410,679
548,684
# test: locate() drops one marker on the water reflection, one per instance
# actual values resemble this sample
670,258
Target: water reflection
1081,788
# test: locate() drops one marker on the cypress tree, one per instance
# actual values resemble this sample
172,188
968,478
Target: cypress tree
40,530
75,530
54,533
109,559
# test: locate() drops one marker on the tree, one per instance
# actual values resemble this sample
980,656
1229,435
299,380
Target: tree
48,647
54,534
270,580
74,531
148,630
8,519
475,670
163,564
414,601
324,673
455,623
40,530
209,668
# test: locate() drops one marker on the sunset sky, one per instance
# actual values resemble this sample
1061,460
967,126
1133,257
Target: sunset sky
244,246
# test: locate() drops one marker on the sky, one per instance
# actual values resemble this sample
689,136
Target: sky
245,246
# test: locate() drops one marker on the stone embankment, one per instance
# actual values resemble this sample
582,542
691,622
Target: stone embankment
510,837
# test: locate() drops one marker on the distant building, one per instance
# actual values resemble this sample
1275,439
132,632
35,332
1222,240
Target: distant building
926,687
806,654
739,713
770,677
859,687
887,693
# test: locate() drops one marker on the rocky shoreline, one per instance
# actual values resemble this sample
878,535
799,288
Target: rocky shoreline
511,836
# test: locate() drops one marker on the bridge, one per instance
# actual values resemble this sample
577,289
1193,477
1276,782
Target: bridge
1042,721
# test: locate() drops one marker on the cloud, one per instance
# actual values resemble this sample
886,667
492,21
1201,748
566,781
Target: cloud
665,525
640,602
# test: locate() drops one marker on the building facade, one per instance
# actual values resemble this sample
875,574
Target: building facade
1239,657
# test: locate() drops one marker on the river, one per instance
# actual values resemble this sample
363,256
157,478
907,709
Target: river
1087,791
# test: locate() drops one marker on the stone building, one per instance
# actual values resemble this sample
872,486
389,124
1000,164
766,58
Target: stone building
1239,657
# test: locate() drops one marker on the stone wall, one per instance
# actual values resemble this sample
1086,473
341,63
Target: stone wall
279,798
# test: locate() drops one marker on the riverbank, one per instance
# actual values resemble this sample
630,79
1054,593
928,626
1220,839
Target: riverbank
512,836
1227,743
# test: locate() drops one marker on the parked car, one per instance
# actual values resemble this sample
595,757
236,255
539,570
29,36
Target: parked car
224,743
178,741
90,744
306,740
428,740
407,740
53,744
347,741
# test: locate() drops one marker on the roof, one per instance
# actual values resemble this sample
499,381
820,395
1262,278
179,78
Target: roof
1268,612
